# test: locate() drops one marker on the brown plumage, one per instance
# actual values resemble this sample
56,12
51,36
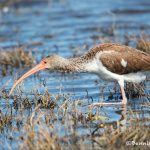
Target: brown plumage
136,60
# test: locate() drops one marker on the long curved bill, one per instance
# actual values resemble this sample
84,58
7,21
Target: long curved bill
37,68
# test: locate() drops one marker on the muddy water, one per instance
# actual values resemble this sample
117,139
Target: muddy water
70,28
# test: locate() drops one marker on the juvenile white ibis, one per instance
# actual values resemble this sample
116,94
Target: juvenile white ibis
109,61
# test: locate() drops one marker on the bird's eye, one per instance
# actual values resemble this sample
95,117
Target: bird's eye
44,62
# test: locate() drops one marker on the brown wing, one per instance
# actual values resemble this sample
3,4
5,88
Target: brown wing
135,60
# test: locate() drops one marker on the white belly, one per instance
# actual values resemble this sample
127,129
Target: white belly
131,77
136,77
98,68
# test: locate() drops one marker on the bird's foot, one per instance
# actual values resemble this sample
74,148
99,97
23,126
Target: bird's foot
123,102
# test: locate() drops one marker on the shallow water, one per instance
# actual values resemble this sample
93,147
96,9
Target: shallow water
70,28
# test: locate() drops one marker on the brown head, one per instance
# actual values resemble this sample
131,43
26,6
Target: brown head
49,62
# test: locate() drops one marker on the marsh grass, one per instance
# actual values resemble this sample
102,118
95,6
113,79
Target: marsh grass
17,58
135,90
137,132
5,120
144,45
50,114
40,133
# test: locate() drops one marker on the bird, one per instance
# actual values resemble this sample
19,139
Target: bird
110,61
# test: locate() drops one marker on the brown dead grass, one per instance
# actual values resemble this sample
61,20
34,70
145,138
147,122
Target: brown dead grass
38,134
17,58
144,45
41,135
118,140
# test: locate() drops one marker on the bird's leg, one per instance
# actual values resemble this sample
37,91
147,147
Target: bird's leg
124,98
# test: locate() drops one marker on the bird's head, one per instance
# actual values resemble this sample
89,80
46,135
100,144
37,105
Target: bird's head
48,62
52,62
